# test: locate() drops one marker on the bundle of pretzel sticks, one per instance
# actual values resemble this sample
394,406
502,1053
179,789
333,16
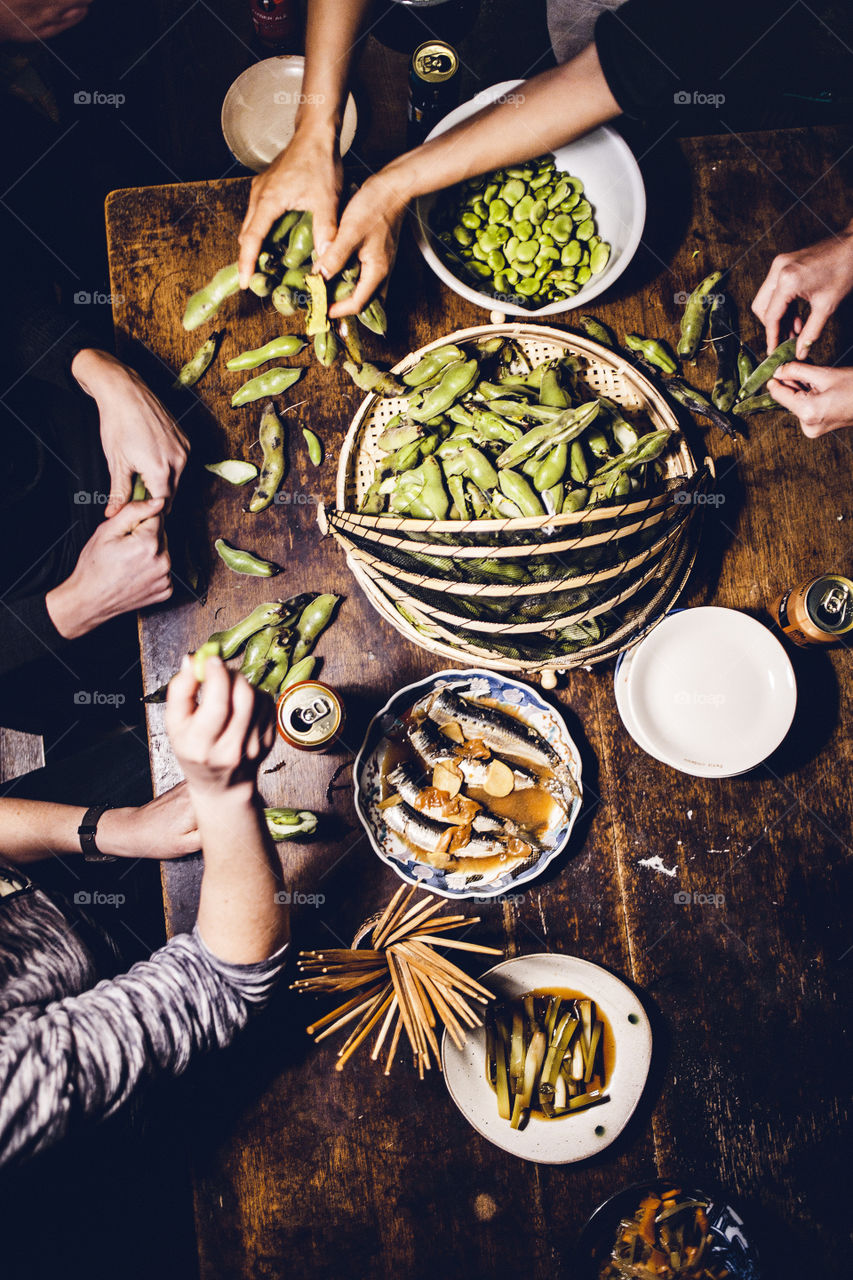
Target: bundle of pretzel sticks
400,981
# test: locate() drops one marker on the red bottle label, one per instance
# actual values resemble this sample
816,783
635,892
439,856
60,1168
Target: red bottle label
276,21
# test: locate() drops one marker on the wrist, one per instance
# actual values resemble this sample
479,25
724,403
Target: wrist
317,127
66,611
115,833
96,371
215,805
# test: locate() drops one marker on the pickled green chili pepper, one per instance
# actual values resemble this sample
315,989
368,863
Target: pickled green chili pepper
205,302
725,343
517,489
199,363
243,561
314,619
300,245
456,380
302,670
272,383
288,344
271,613
694,316
762,402
432,364
210,649
745,364
652,350
315,446
369,378
317,319
326,348
286,824
271,439
766,370
233,470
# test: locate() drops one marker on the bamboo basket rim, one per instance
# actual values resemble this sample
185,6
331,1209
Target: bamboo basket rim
499,590
642,386
514,552
623,638
487,627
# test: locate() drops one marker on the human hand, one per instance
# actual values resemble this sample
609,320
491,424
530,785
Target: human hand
138,435
369,230
821,275
163,828
821,398
220,741
124,566
307,175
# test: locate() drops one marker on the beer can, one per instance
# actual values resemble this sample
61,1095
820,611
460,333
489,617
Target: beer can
433,88
310,715
818,611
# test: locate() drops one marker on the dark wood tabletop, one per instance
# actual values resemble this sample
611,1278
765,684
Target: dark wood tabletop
303,1172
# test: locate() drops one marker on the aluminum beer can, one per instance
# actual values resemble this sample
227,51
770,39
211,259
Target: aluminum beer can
433,88
309,715
818,611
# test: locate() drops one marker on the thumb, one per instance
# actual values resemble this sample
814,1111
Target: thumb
337,254
813,376
812,329
121,487
134,514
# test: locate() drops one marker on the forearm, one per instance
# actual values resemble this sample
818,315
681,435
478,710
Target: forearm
331,33
239,916
32,830
555,107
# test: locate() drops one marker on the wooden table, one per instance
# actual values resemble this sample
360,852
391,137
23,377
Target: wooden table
302,1172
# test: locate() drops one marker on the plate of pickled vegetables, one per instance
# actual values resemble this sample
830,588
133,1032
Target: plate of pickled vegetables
559,1066
468,783
663,1230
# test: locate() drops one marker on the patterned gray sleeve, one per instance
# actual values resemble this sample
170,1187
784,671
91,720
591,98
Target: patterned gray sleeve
82,1056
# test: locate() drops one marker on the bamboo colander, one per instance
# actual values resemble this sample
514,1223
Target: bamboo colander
375,544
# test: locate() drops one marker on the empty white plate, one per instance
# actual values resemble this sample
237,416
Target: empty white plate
260,107
710,691
571,1137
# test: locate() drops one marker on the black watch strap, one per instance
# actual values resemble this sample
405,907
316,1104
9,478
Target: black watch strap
87,830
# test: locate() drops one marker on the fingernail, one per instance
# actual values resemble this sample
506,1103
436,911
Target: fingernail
186,662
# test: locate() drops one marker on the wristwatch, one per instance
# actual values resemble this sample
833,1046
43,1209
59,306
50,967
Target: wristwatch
86,831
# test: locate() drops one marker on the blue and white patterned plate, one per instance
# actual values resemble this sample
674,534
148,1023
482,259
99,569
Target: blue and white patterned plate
524,702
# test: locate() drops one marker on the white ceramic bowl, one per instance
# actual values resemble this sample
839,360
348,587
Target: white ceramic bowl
709,691
573,1137
259,111
525,702
613,185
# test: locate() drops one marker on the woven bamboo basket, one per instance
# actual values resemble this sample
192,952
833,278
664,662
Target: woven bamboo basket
637,551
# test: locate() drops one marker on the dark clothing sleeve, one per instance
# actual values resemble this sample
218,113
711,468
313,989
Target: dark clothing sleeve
27,632
650,50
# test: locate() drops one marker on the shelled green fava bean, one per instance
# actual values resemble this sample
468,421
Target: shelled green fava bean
526,234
